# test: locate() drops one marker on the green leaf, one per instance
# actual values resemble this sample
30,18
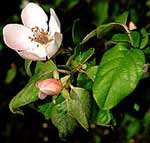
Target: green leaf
118,75
144,39
133,15
27,95
122,18
91,72
136,38
84,97
65,79
77,31
83,81
58,2
133,129
102,30
45,106
121,38
27,67
30,93
11,74
71,3
101,11
82,57
43,68
60,117
46,109
89,36
105,118
79,105
147,50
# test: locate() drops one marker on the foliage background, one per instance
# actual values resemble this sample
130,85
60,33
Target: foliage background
32,127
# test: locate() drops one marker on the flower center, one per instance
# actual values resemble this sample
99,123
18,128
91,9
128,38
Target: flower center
40,36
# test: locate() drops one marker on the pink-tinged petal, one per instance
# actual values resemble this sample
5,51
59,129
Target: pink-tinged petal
30,56
36,53
54,24
132,26
33,15
42,95
49,86
16,36
51,49
54,45
58,38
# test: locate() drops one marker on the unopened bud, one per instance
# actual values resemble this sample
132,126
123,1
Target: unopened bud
132,26
48,87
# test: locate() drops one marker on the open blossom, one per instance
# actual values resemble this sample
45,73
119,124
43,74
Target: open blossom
48,87
37,38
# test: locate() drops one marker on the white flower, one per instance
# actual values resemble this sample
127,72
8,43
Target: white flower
36,38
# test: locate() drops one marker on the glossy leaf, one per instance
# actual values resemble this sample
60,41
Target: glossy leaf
121,38
144,39
91,72
136,38
118,75
105,118
30,93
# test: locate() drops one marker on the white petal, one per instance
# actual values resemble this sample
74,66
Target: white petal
58,38
52,49
35,54
54,45
30,56
16,36
33,15
54,24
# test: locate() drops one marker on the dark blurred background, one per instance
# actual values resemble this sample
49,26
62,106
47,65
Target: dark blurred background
32,127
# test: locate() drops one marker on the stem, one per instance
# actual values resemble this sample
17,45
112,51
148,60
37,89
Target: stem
63,71
129,33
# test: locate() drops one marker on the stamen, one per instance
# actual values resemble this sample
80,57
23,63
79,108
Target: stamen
40,36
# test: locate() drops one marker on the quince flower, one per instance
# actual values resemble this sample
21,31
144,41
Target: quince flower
35,39
49,87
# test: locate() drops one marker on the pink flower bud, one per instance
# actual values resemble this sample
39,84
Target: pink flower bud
132,26
48,87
